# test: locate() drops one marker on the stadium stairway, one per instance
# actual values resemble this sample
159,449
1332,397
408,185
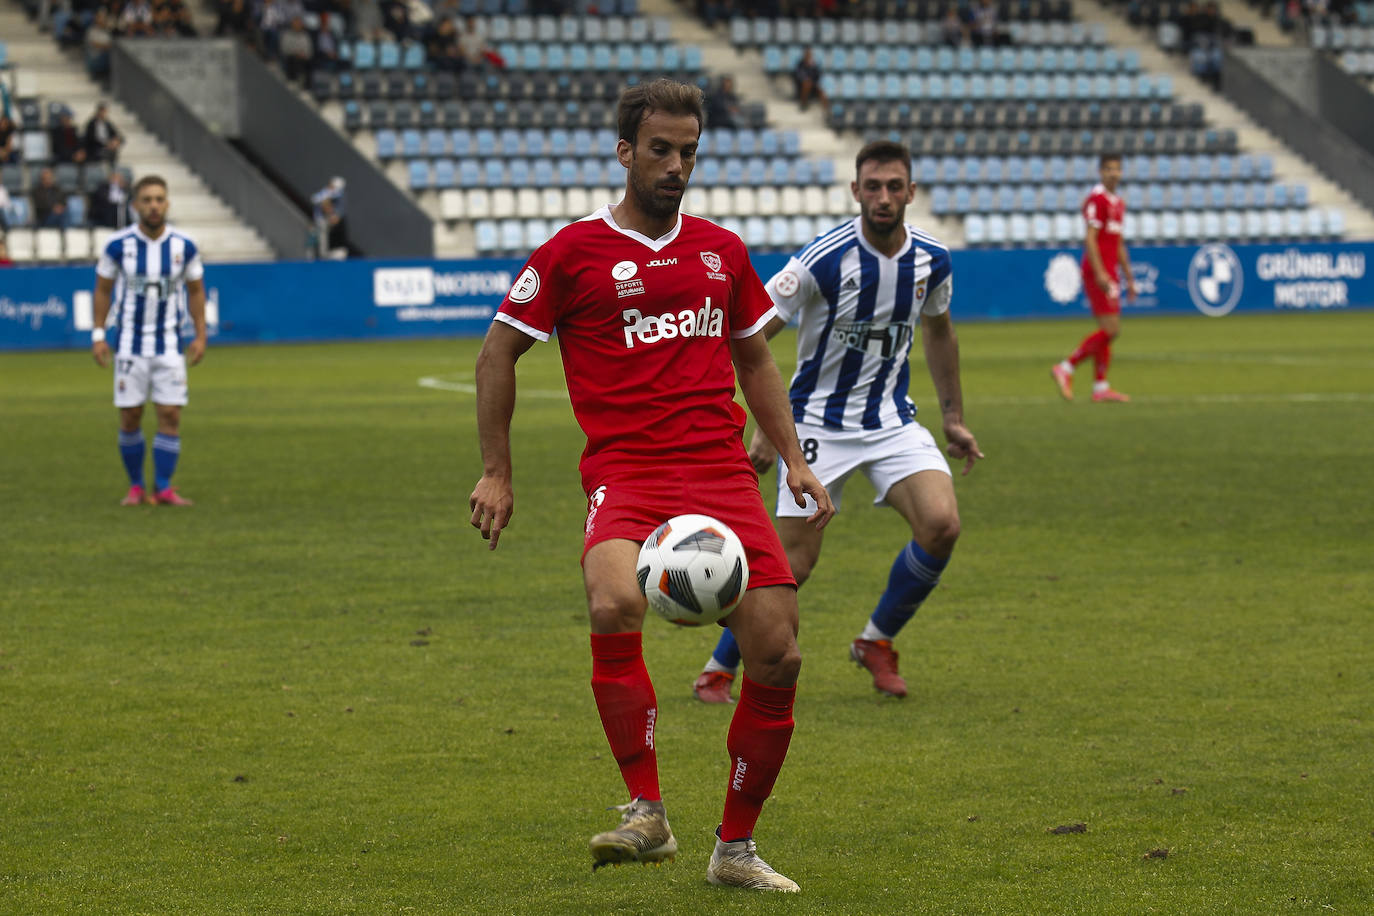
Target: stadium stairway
44,70
1220,113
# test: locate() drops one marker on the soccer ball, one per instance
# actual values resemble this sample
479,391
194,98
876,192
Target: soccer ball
693,570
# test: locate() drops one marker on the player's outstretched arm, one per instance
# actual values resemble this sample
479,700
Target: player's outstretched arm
942,356
763,390
493,499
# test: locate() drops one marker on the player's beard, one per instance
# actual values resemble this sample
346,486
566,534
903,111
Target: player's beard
884,227
648,200
150,225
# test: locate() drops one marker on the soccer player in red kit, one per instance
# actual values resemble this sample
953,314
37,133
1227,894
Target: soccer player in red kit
657,315
1104,250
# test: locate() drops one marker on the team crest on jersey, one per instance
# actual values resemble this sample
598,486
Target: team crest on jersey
624,270
526,286
787,284
713,262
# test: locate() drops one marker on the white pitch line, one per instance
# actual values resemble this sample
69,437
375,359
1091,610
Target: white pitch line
441,384
1333,397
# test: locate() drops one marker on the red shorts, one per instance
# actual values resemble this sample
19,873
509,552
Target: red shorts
1102,303
632,505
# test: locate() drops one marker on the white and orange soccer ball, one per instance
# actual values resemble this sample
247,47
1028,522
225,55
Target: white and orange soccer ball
693,570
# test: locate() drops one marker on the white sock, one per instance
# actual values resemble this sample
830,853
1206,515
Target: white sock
713,665
1101,386
1066,366
872,633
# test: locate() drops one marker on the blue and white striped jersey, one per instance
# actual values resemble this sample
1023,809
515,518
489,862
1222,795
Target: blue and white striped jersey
857,311
149,297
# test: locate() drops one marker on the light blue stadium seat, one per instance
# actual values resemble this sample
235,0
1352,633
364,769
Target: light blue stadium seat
1211,226
469,173
1294,223
436,142
756,171
444,173
388,55
995,169
1170,227
412,143
569,175
708,173
518,174
975,229
485,140
1041,229
509,141
536,232
985,200
418,170
488,238
494,173
997,229
1149,227
414,56
1065,229
733,172
940,203
779,232
512,236
1190,226
1298,196
1025,197
755,231
364,55
461,142
386,143
804,172
1335,223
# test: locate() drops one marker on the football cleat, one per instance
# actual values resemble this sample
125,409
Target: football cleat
643,836
714,687
170,497
1110,394
738,864
1064,380
136,496
878,656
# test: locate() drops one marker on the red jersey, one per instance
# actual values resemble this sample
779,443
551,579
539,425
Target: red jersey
644,327
1105,212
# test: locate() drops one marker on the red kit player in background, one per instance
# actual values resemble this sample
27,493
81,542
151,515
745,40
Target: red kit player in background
657,314
1103,250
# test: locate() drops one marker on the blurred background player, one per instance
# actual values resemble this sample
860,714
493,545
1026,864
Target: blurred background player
154,275
858,291
672,303
1104,250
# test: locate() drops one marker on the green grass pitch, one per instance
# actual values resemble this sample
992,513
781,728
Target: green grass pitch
318,692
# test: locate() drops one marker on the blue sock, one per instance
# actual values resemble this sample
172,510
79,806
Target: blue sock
166,449
727,650
914,574
131,449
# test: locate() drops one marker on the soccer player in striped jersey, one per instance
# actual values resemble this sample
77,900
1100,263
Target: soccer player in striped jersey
153,275
858,292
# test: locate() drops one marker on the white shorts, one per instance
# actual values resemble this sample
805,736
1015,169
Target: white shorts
160,379
886,456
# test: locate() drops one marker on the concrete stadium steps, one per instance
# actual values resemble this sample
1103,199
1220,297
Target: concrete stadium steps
1289,167
42,69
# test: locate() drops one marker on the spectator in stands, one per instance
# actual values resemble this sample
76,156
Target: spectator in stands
234,18
274,17
135,20
102,139
49,204
952,29
182,23
327,46
806,76
97,44
297,51
4,208
723,108
472,40
108,203
1205,33
986,28
441,46
65,140
396,19
330,210
9,140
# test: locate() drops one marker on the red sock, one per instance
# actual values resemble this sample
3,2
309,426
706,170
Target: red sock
1102,359
625,699
1089,347
757,742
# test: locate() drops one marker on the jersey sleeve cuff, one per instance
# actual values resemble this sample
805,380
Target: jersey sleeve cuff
757,325
522,327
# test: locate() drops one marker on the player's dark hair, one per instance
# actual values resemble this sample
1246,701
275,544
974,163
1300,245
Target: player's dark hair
665,95
1108,157
883,151
147,180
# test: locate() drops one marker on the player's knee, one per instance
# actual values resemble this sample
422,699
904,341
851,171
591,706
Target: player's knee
777,666
939,535
615,613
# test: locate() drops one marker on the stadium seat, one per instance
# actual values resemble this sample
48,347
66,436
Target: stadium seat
418,173
76,243
47,244
20,243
